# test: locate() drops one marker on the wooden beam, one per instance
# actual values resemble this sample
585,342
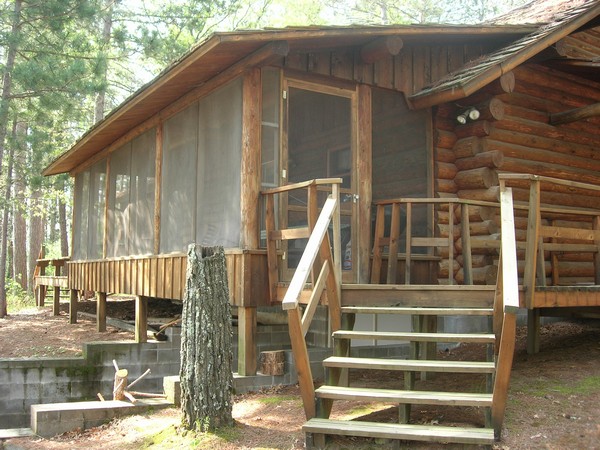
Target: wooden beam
381,48
73,306
246,341
251,148
101,312
573,115
364,179
158,186
141,318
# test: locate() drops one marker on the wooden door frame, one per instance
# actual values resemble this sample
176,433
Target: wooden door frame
351,92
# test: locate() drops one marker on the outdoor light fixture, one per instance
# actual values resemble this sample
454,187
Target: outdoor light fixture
468,114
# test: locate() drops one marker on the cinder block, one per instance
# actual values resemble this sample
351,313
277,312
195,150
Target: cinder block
172,389
33,375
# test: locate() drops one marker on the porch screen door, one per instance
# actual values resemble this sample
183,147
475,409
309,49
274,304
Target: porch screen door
319,142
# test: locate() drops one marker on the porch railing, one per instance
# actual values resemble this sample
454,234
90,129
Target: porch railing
567,233
318,260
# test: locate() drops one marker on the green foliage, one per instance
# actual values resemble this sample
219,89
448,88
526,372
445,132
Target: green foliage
17,298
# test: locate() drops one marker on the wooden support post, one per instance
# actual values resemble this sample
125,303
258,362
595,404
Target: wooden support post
246,341
141,319
596,226
73,306
42,295
533,331
364,160
466,239
305,379
56,302
531,249
101,311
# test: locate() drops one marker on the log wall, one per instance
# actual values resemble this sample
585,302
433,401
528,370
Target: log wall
514,135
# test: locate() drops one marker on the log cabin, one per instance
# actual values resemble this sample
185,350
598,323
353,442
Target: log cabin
420,171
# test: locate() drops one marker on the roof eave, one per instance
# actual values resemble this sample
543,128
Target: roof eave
462,90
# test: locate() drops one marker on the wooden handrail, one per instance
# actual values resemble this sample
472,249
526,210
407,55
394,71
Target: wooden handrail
301,185
504,177
505,309
290,300
317,257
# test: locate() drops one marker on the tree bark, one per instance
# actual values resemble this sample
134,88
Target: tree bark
206,342
4,239
36,231
106,35
19,223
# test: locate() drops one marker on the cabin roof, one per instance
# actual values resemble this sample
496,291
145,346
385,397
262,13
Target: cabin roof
225,50
476,74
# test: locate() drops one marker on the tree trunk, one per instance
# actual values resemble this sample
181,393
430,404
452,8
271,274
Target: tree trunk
19,223
206,342
4,239
62,221
36,231
106,34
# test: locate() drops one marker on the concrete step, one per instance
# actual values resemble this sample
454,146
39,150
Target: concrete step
11,433
50,419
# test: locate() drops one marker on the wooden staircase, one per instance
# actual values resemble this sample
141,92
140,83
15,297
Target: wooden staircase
409,393
422,303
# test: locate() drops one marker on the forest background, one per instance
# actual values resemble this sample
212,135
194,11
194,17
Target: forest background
65,64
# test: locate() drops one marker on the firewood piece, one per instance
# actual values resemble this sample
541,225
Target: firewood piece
129,397
147,394
138,379
272,363
100,397
116,365
120,383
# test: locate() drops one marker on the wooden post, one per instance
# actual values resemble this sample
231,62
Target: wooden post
246,341
56,302
120,384
101,312
73,306
158,186
141,318
305,379
251,148
364,175
533,331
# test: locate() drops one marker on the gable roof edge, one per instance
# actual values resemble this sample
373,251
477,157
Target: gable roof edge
460,90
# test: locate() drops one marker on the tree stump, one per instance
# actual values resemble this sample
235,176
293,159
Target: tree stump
206,342
120,384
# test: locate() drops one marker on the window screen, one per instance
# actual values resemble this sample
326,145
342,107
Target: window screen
218,220
88,227
178,186
131,198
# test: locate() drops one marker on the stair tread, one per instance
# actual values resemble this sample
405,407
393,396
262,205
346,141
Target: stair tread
410,364
405,396
418,310
400,431
412,336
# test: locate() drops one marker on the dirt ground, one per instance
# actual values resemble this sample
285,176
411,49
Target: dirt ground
554,400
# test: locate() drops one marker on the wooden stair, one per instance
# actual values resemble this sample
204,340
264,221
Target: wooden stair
439,302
